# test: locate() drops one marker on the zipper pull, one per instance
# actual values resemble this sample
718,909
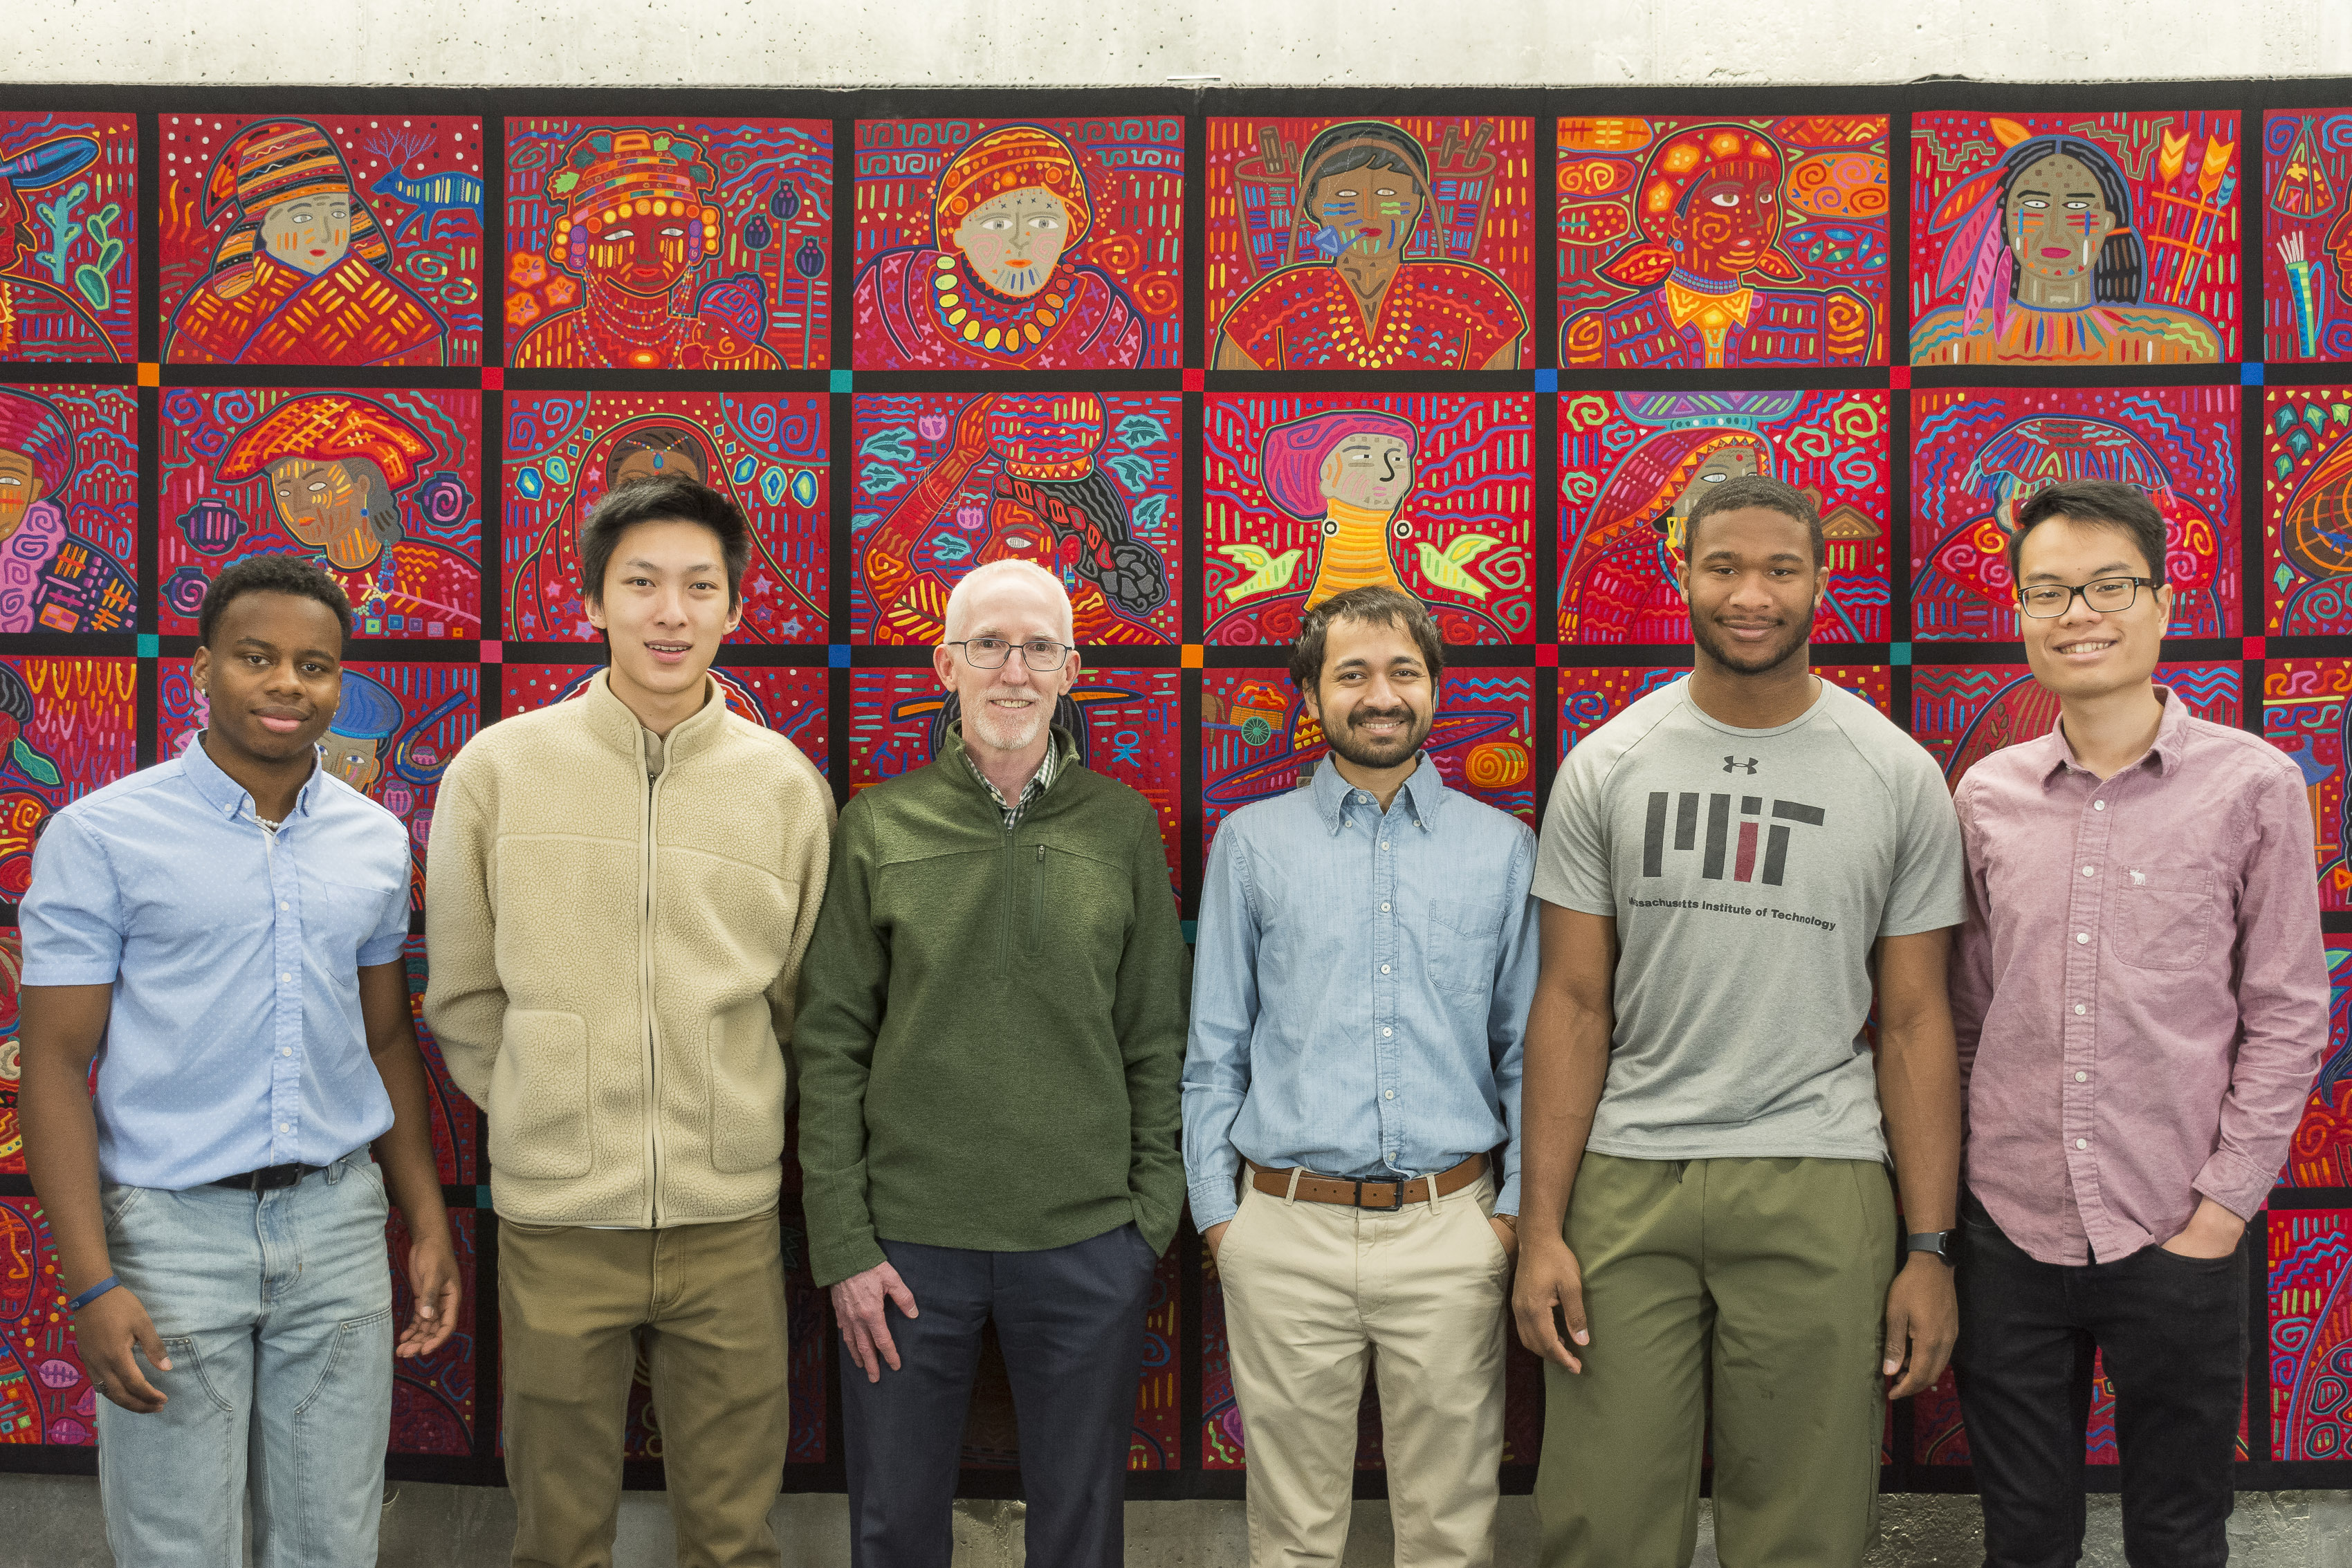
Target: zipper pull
1041,854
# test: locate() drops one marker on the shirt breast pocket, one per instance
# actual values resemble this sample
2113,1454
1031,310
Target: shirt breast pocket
340,916
1463,937
2164,916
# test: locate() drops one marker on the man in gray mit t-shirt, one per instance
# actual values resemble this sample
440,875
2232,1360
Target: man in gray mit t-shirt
1725,869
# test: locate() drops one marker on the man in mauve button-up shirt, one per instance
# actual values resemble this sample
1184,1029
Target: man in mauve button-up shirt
2141,1002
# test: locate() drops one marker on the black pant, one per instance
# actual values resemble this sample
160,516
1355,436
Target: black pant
1070,1321
2173,1330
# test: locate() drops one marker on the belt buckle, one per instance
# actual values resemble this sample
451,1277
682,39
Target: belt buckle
1396,1197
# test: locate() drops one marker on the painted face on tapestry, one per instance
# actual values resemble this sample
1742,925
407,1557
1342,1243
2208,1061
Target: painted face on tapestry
1369,215
309,233
1736,461
2058,221
20,487
1372,472
640,248
352,758
1729,218
324,505
1014,240
640,463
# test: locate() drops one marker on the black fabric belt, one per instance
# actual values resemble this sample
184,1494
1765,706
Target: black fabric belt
269,1178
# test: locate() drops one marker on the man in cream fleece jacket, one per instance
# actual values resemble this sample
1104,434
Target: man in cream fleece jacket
618,893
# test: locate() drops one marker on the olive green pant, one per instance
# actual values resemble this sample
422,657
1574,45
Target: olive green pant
1762,1283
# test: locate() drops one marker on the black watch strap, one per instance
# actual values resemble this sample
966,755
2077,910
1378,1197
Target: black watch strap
1938,1242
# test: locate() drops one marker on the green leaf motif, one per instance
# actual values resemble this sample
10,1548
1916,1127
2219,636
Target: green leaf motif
33,765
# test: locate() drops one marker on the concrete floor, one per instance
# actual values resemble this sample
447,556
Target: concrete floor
48,1521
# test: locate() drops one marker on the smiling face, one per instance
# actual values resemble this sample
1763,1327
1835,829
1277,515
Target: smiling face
1729,218
309,233
1014,240
2057,223
640,245
1007,709
20,487
1371,213
324,505
271,676
665,609
1753,590
2083,654
1375,698
1370,471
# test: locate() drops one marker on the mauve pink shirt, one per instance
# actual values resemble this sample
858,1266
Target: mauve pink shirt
2139,991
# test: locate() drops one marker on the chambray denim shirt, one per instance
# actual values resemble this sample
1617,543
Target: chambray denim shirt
1360,987
236,1039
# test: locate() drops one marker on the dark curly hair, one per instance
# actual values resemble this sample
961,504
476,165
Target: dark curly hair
663,500
272,574
1376,603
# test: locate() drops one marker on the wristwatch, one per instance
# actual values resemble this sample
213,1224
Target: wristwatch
1938,1242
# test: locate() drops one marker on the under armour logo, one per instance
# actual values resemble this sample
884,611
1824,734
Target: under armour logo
1731,764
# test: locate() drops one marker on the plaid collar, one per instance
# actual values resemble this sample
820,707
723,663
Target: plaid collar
1039,782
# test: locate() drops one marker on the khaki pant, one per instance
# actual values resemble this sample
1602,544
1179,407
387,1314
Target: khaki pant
1312,1290
711,1300
1772,1276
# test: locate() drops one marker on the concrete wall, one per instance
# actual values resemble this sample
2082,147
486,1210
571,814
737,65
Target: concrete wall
1058,42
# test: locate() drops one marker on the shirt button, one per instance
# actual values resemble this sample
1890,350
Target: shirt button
1389,1095
285,1050
2098,805
1384,843
1386,1032
1384,968
1384,909
288,974
2081,1078
2082,1142
283,904
2079,1010
2090,871
284,1126
2081,936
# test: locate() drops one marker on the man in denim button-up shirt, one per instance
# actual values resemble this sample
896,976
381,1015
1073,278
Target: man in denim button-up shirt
1365,963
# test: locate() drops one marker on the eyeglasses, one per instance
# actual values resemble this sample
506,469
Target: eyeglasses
991,653
2048,600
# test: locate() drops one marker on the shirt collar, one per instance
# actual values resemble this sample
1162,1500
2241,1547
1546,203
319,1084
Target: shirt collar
1424,789
225,794
2170,745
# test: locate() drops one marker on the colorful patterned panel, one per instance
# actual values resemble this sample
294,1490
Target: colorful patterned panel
1632,463
1962,712
2321,1154
1305,496
1086,484
1589,697
565,450
1125,721
67,728
1701,243
395,733
456,1120
1258,741
1223,1446
2310,1325
2307,237
1155,1441
2305,715
1370,244
1976,456
45,1394
693,245
990,245
2306,529
69,236
377,487
791,702
433,1395
2074,239
344,240
68,508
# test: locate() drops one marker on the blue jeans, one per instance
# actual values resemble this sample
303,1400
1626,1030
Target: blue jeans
276,1311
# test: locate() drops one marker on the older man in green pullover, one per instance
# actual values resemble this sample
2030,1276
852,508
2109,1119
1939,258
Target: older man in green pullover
991,1037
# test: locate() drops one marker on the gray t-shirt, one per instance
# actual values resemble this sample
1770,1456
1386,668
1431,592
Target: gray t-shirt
1750,873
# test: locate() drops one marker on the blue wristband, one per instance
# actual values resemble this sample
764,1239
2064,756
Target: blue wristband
78,1302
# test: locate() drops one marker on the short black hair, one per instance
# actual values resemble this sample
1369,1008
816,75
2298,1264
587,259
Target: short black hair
1377,145
1374,602
1758,490
272,574
663,500
2101,502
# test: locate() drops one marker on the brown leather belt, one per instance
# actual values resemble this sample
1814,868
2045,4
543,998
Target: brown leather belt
1313,1188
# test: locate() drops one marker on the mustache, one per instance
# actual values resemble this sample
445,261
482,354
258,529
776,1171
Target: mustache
1381,715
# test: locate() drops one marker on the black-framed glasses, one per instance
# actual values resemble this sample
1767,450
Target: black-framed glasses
2107,595
991,653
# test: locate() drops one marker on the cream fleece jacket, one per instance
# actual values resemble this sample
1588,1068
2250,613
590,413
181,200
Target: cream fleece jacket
614,965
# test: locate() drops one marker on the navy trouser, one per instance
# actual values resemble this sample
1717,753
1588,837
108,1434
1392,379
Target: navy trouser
1070,1322
2174,1333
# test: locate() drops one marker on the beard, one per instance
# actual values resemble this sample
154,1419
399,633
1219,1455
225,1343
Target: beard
1366,752
1762,661
1005,731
